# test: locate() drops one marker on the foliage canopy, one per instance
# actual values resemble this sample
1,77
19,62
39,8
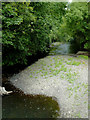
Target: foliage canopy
30,27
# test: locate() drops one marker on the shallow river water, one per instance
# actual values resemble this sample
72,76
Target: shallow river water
22,106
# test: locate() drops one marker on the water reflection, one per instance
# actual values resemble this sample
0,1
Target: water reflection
65,48
24,106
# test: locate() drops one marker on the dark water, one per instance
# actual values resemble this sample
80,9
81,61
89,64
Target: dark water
18,105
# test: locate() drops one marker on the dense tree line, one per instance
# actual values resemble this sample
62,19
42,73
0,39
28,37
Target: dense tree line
29,28
75,24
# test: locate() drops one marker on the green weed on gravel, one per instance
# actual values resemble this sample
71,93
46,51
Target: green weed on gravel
76,96
78,115
31,76
71,77
88,106
73,63
51,70
70,94
83,56
85,85
57,64
62,76
45,73
68,75
63,68
51,64
71,80
70,59
56,72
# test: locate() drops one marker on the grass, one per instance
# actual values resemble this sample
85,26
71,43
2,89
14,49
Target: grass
51,64
38,72
42,75
85,85
69,88
68,75
85,102
56,72
86,91
78,104
57,64
62,76
70,59
76,63
83,56
88,106
76,96
80,89
36,77
51,70
45,73
73,63
51,60
78,115
51,76
31,76
71,80
63,68
70,94
43,68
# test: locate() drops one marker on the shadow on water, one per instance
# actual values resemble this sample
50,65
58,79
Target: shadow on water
19,105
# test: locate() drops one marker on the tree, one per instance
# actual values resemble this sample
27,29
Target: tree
76,23
16,25
29,28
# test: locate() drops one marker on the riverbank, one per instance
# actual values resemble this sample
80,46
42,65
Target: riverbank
61,76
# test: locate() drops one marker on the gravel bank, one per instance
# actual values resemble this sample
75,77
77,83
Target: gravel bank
61,76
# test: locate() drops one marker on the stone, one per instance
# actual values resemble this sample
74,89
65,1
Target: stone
82,53
4,92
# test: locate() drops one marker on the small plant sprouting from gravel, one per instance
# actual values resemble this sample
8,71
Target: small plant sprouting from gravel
37,72
78,104
85,85
70,94
78,115
70,88
73,63
62,76
71,80
83,56
51,64
76,96
63,68
70,59
56,72
36,77
68,75
45,73
71,77
31,76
